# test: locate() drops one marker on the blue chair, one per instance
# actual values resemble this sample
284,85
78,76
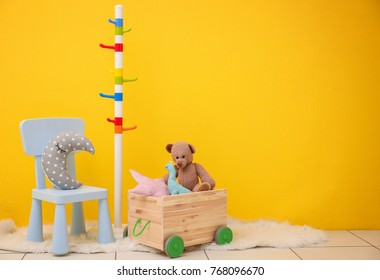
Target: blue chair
35,134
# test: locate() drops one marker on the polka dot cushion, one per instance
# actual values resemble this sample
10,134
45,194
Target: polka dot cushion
55,155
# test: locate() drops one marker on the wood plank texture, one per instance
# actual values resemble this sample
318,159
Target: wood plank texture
194,217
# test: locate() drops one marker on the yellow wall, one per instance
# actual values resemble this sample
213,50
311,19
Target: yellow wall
280,98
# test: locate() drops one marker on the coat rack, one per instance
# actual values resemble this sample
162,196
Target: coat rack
118,115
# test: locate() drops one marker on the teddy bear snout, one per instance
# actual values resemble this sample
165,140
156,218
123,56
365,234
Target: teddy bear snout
180,163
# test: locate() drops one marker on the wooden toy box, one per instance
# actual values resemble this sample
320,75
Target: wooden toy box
194,217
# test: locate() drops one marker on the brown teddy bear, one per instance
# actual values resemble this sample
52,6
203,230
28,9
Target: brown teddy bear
189,173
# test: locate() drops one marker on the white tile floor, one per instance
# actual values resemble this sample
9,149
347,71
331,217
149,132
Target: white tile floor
343,245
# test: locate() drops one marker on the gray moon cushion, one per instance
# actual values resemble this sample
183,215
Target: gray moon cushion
55,155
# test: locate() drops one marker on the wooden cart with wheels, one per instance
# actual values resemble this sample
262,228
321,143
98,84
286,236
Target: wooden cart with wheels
171,223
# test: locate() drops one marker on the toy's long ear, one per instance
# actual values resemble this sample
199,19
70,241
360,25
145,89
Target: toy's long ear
192,149
169,147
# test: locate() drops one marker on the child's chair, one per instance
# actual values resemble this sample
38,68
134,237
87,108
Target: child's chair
35,135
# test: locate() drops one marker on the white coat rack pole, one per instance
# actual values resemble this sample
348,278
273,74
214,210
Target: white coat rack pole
118,115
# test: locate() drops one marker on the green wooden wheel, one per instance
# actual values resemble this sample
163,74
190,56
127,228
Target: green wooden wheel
223,235
125,232
174,246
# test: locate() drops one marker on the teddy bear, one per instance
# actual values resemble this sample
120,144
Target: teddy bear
192,176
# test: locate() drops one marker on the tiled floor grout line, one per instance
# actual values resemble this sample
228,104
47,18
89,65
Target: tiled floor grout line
295,253
361,238
341,246
355,239
206,255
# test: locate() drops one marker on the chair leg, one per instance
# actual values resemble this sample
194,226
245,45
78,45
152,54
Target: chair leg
77,225
35,232
60,236
105,234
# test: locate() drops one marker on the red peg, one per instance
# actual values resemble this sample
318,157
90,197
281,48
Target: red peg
106,47
109,120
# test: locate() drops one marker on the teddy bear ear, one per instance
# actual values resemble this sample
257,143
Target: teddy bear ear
192,148
169,147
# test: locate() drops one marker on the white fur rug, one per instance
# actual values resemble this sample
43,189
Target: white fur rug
246,235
